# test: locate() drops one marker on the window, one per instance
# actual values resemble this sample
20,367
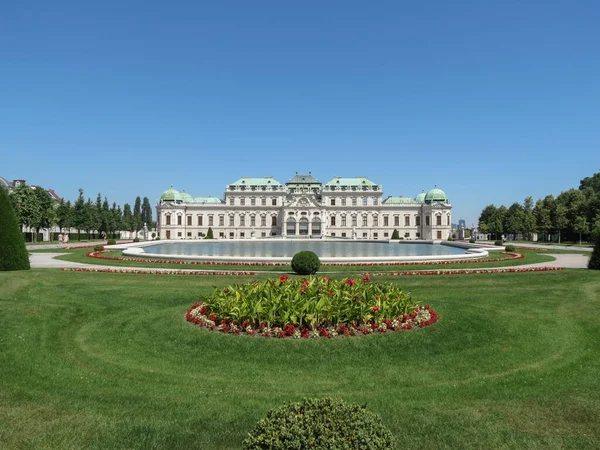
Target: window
376,235
439,234
364,221
343,221
231,201
353,221
199,221
386,221
274,202
438,220
221,235
375,221
210,220
168,220
263,221
365,235
189,234
199,234
418,235
221,221
179,234
273,221
407,235
418,221
448,221
407,221
263,234
427,221
364,201
263,201
189,220
252,202
178,220
243,201
242,220
231,221
386,235
252,221
353,201
242,234
376,201
333,221
343,202
231,235
396,221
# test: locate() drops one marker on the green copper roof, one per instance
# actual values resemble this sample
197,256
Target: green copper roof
421,197
207,200
303,179
262,181
356,181
399,201
436,195
185,197
170,195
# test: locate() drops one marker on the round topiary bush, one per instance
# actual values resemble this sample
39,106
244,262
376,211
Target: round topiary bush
319,423
498,243
510,248
13,253
136,239
111,242
98,248
306,263
471,241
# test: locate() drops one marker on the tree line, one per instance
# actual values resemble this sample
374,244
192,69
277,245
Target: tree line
35,209
574,215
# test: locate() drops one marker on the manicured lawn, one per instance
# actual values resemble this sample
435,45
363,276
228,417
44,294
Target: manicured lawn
91,360
531,256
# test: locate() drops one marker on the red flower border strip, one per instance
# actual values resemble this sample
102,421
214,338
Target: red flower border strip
155,272
422,316
468,271
98,254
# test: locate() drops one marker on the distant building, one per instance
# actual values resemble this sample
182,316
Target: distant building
351,208
462,223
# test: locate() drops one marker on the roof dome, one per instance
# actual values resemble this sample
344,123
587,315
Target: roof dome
185,197
436,195
421,197
170,195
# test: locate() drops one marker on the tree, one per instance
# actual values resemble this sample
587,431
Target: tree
560,220
127,218
496,222
147,213
528,217
581,226
106,217
485,218
13,253
64,215
543,215
47,213
594,262
26,207
209,233
592,182
79,217
395,234
514,221
137,214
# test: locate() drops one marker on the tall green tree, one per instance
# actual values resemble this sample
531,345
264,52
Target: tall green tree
13,254
559,220
581,226
543,215
127,218
496,222
79,214
514,221
46,205
64,215
137,215
529,225
26,207
106,217
147,213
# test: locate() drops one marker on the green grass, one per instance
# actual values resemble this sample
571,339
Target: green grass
79,255
92,360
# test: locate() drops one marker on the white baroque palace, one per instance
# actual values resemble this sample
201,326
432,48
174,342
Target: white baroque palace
304,207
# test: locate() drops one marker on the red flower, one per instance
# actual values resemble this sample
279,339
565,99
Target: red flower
283,278
350,282
366,278
375,308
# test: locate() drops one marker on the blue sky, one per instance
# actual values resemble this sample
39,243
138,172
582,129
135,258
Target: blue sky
491,101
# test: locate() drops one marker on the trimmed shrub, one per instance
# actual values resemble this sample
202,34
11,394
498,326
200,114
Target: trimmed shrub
98,248
209,234
472,241
13,253
510,248
157,238
306,263
319,423
395,235
498,243
111,242
594,262
153,235
137,239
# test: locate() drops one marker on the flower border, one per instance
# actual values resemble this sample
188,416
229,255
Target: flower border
158,272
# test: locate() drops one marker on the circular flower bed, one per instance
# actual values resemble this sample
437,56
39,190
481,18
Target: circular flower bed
309,308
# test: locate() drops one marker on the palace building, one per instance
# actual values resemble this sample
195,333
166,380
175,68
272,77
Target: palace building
352,208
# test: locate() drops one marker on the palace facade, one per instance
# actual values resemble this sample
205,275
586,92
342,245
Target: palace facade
352,208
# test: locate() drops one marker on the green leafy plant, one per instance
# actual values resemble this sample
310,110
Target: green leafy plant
111,242
395,235
98,248
209,234
510,248
13,253
137,239
306,263
322,423
472,240
498,243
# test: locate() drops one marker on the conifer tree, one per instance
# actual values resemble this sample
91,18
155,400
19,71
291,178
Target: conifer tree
13,254
209,234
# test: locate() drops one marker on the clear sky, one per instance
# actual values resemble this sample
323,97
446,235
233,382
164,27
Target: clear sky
491,101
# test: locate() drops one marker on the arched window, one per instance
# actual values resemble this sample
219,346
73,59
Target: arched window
291,226
303,226
316,226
